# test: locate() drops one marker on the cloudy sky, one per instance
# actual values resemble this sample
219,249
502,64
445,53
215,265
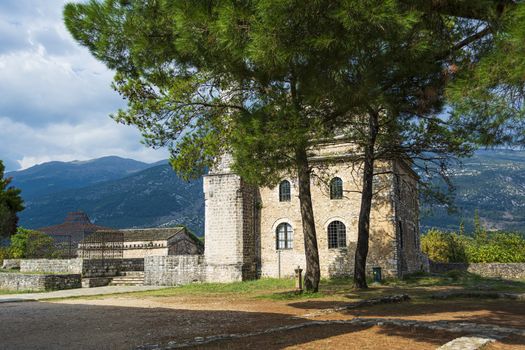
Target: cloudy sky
55,99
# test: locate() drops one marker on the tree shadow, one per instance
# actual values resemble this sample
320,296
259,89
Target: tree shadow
48,325
340,336
502,312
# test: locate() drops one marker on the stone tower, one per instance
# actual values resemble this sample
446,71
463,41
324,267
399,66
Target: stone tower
231,214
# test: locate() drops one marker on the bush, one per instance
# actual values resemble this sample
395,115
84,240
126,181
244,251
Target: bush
444,247
4,254
499,247
31,244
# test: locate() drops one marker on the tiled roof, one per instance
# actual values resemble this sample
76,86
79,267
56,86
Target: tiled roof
147,234
76,225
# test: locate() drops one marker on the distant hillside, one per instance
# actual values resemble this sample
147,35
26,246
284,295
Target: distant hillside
492,182
53,177
124,193
148,198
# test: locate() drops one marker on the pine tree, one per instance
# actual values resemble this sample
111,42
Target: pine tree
10,204
203,78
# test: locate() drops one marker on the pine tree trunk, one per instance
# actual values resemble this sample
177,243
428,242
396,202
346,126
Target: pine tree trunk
312,274
363,229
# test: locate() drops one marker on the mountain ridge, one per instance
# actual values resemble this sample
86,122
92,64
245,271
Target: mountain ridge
56,176
122,193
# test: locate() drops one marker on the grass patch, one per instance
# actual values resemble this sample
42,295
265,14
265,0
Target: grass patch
7,291
334,288
419,286
242,288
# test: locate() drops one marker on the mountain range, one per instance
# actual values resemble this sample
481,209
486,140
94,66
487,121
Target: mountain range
492,183
113,191
124,193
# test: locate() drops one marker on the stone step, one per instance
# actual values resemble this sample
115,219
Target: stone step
127,283
132,273
128,280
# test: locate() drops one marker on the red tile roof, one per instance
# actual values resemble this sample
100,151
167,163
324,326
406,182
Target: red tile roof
76,225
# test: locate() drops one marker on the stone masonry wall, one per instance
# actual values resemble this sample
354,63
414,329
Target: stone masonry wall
86,267
51,265
11,264
224,227
110,267
174,270
334,261
494,270
406,204
29,282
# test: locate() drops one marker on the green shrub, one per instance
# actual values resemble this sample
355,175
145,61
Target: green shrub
444,247
497,247
31,244
500,247
4,254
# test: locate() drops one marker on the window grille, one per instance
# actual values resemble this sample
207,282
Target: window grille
284,236
336,235
336,188
284,191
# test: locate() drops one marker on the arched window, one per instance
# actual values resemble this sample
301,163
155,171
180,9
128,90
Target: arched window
284,191
336,235
284,236
336,188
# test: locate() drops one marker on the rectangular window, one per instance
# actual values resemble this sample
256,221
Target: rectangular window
284,236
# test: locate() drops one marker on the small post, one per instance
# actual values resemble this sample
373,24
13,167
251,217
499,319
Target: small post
298,280
376,272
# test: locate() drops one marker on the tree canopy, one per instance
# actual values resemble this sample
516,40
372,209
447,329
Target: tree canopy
10,204
262,79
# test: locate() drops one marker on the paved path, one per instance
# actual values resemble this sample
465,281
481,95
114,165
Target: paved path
79,292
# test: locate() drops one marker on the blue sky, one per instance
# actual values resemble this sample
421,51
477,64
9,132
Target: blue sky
55,98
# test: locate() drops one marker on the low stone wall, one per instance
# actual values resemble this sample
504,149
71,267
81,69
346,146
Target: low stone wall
24,282
96,282
174,270
110,267
51,265
132,264
495,270
11,264
86,267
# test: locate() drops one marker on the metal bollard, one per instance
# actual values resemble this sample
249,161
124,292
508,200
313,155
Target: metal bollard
299,279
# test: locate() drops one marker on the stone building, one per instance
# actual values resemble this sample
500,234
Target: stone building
140,243
253,232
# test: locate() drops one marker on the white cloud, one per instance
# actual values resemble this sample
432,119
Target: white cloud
55,98
67,142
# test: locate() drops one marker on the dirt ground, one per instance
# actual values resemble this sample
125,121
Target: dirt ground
127,322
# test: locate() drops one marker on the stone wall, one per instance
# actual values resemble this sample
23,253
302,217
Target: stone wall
132,264
334,261
174,270
86,267
495,270
110,267
11,264
224,226
35,282
406,204
51,265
